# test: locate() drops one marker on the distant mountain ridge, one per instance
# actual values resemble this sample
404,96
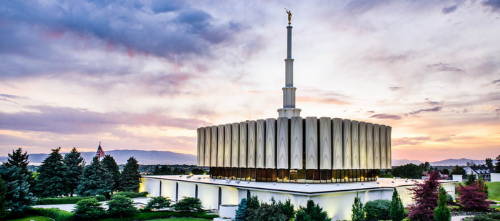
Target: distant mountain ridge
144,157
447,162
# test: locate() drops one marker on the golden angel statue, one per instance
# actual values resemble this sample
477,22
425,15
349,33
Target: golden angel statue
289,13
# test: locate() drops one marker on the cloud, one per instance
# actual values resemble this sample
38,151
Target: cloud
395,88
81,121
323,100
409,140
386,116
493,4
442,67
496,81
450,9
434,109
432,103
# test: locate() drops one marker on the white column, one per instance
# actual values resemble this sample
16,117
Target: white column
202,146
376,146
296,143
220,146
243,144
260,136
270,143
227,145
355,144
311,143
389,147
325,144
251,144
347,144
208,146
338,151
370,153
383,148
235,134
362,145
213,157
282,146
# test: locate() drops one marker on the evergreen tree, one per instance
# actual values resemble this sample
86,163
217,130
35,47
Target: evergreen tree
442,212
74,170
497,165
242,212
130,178
95,180
471,179
425,196
396,211
52,175
109,164
18,196
19,159
358,213
311,212
489,163
3,190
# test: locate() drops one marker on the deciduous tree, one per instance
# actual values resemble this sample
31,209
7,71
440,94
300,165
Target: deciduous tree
472,198
425,196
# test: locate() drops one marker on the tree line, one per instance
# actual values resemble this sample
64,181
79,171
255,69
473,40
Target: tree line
62,176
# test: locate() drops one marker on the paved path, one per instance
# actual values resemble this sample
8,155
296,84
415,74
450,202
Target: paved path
138,202
459,218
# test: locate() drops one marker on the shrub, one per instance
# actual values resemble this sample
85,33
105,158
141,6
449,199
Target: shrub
188,204
53,213
311,212
65,200
358,212
377,210
396,211
484,217
88,209
472,198
442,212
158,202
242,211
132,194
121,206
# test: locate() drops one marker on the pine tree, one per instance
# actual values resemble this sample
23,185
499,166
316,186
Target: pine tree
130,177
497,165
19,159
18,196
442,212
109,164
242,212
311,212
3,190
358,213
425,196
396,211
52,175
95,180
74,170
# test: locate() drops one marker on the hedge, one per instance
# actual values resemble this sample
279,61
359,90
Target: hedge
163,214
132,194
65,200
54,213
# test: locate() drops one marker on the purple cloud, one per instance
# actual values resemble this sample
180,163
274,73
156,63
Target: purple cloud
434,109
493,4
386,116
442,67
450,9
81,121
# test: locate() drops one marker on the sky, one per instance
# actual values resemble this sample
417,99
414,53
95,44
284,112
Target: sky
145,74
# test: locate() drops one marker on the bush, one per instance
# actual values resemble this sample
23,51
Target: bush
132,194
121,206
158,202
484,217
442,212
53,213
65,200
378,210
311,212
88,209
188,204
162,214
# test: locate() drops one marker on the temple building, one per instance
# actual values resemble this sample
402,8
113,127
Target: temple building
325,159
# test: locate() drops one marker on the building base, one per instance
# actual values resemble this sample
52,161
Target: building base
289,112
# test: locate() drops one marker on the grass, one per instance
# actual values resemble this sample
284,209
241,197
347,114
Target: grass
32,218
493,190
180,219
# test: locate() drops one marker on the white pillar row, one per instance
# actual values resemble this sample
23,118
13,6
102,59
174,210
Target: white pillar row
243,144
383,150
260,144
355,144
270,156
362,146
282,145
227,145
347,144
220,146
207,146
370,158
338,153
235,154
325,143
296,143
376,146
202,146
311,143
198,137
389,147
251,144
213,156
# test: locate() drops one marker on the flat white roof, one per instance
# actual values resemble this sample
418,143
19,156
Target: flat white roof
297,188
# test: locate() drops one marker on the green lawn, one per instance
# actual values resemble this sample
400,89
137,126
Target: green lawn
180,219
493,190
33,218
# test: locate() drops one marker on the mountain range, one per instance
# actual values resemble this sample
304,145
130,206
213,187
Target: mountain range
149,157
145,157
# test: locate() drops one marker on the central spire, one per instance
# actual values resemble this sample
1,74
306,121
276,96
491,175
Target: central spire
289,109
